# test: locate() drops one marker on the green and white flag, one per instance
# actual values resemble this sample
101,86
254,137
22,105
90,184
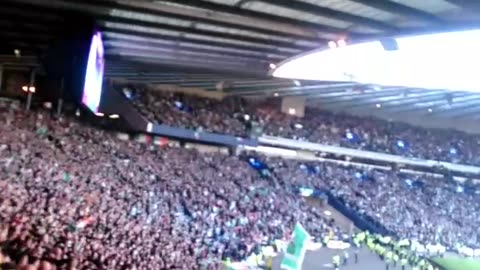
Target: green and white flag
293,258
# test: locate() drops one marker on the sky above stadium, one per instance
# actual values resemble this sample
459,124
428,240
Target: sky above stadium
437,61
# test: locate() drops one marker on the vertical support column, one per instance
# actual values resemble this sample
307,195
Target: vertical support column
1,77
60,99
31,84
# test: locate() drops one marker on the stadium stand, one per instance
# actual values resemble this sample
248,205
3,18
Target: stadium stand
236,117
76,197
420,207
207,182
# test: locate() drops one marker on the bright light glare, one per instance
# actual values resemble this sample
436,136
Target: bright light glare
438,61
342,43
332,44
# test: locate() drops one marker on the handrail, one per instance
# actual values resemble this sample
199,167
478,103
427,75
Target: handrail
302,145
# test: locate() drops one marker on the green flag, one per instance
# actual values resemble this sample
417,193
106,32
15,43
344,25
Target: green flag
296,249
66,177
42,131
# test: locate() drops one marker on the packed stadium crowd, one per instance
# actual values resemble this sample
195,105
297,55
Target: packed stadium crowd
74,197
235,116
418,207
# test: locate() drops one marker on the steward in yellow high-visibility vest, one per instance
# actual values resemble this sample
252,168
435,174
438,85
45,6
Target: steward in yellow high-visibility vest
385,240
361,237
369,240
404,243
371,246
259,259
403,263
380,250
336,261
326,239
395,259
389,256
388,259
269,262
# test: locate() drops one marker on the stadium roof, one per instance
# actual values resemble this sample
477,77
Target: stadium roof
229,45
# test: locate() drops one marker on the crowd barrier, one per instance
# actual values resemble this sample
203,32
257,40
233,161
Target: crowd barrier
199,136
302,145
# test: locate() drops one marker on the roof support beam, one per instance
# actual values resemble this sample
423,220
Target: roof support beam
181,56
411,104
464,112
154,43
147,48
185,77
396,8
467,4
331,13
216,63
201,32
190,66
458,102
309,26
325,89
431,103
189,40
159,10
102,10
176,53
415,98
367,99
456,108
172,66
293,89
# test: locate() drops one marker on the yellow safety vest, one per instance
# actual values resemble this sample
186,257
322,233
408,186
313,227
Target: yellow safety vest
395,257
259,259
389,255
336,259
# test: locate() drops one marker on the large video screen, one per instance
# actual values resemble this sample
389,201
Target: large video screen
92,89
